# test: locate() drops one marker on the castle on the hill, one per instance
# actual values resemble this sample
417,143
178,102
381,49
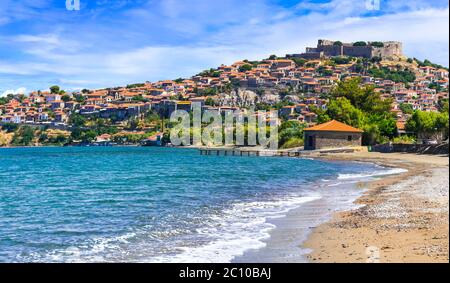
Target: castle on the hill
326,48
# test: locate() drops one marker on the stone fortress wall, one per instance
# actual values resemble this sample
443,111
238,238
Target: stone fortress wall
326,48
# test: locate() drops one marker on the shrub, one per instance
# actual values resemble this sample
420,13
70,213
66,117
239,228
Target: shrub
300,62
341,60
377,44
289,131
5,138
245,68
404,140
360,43
292,143
24,136
135,85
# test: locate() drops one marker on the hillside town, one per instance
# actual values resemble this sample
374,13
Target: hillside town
296,85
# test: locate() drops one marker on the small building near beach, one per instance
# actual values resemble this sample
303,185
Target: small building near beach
155,140
332,134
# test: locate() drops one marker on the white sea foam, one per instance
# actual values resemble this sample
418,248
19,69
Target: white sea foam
243,227
227,235
393,171
230,233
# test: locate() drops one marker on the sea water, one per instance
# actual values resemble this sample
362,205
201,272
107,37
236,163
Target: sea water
132,204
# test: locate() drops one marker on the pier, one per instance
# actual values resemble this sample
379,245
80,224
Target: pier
247,152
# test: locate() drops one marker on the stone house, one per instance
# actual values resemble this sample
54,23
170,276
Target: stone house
332,134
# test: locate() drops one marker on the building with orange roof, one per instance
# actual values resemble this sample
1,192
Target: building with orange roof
333,134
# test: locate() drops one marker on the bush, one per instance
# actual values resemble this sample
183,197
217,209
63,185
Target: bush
24,136
406,108
377,44
55,89
5,138
404,76
404,140
341,60
10,127
360,43
292,143
289,131
300,62
245,68
430,124
135,85
376,59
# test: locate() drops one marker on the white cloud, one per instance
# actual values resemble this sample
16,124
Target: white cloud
81,59
21,90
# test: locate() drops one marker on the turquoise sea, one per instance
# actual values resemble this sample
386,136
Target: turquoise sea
125,204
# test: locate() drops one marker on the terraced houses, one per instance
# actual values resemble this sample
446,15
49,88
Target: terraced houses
306,84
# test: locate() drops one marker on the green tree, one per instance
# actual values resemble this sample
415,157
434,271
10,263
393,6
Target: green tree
364,98
89,136
245,68
377,44
139,98
65,98
135,85
443,105
385,122
80,98
376,59
340,60
210,102
10,127
77,120
291,132
300,62
436,86
406,108
405,76
24,136
77,134
360,43
361,107
322,116
429,124
55,89
341,109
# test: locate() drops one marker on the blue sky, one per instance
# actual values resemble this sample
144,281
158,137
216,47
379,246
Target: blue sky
116,42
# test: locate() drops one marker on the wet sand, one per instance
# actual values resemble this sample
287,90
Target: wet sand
403,218
294,228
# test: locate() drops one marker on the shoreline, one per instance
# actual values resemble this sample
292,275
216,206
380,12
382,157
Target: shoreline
295,226
395,214
402,218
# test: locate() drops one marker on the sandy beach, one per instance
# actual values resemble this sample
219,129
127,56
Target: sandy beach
402,218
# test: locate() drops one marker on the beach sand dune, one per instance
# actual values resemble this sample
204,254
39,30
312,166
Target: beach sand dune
404,218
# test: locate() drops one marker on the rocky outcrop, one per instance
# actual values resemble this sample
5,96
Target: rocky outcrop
247,98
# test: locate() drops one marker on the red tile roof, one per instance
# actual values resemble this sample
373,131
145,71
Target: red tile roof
334,126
